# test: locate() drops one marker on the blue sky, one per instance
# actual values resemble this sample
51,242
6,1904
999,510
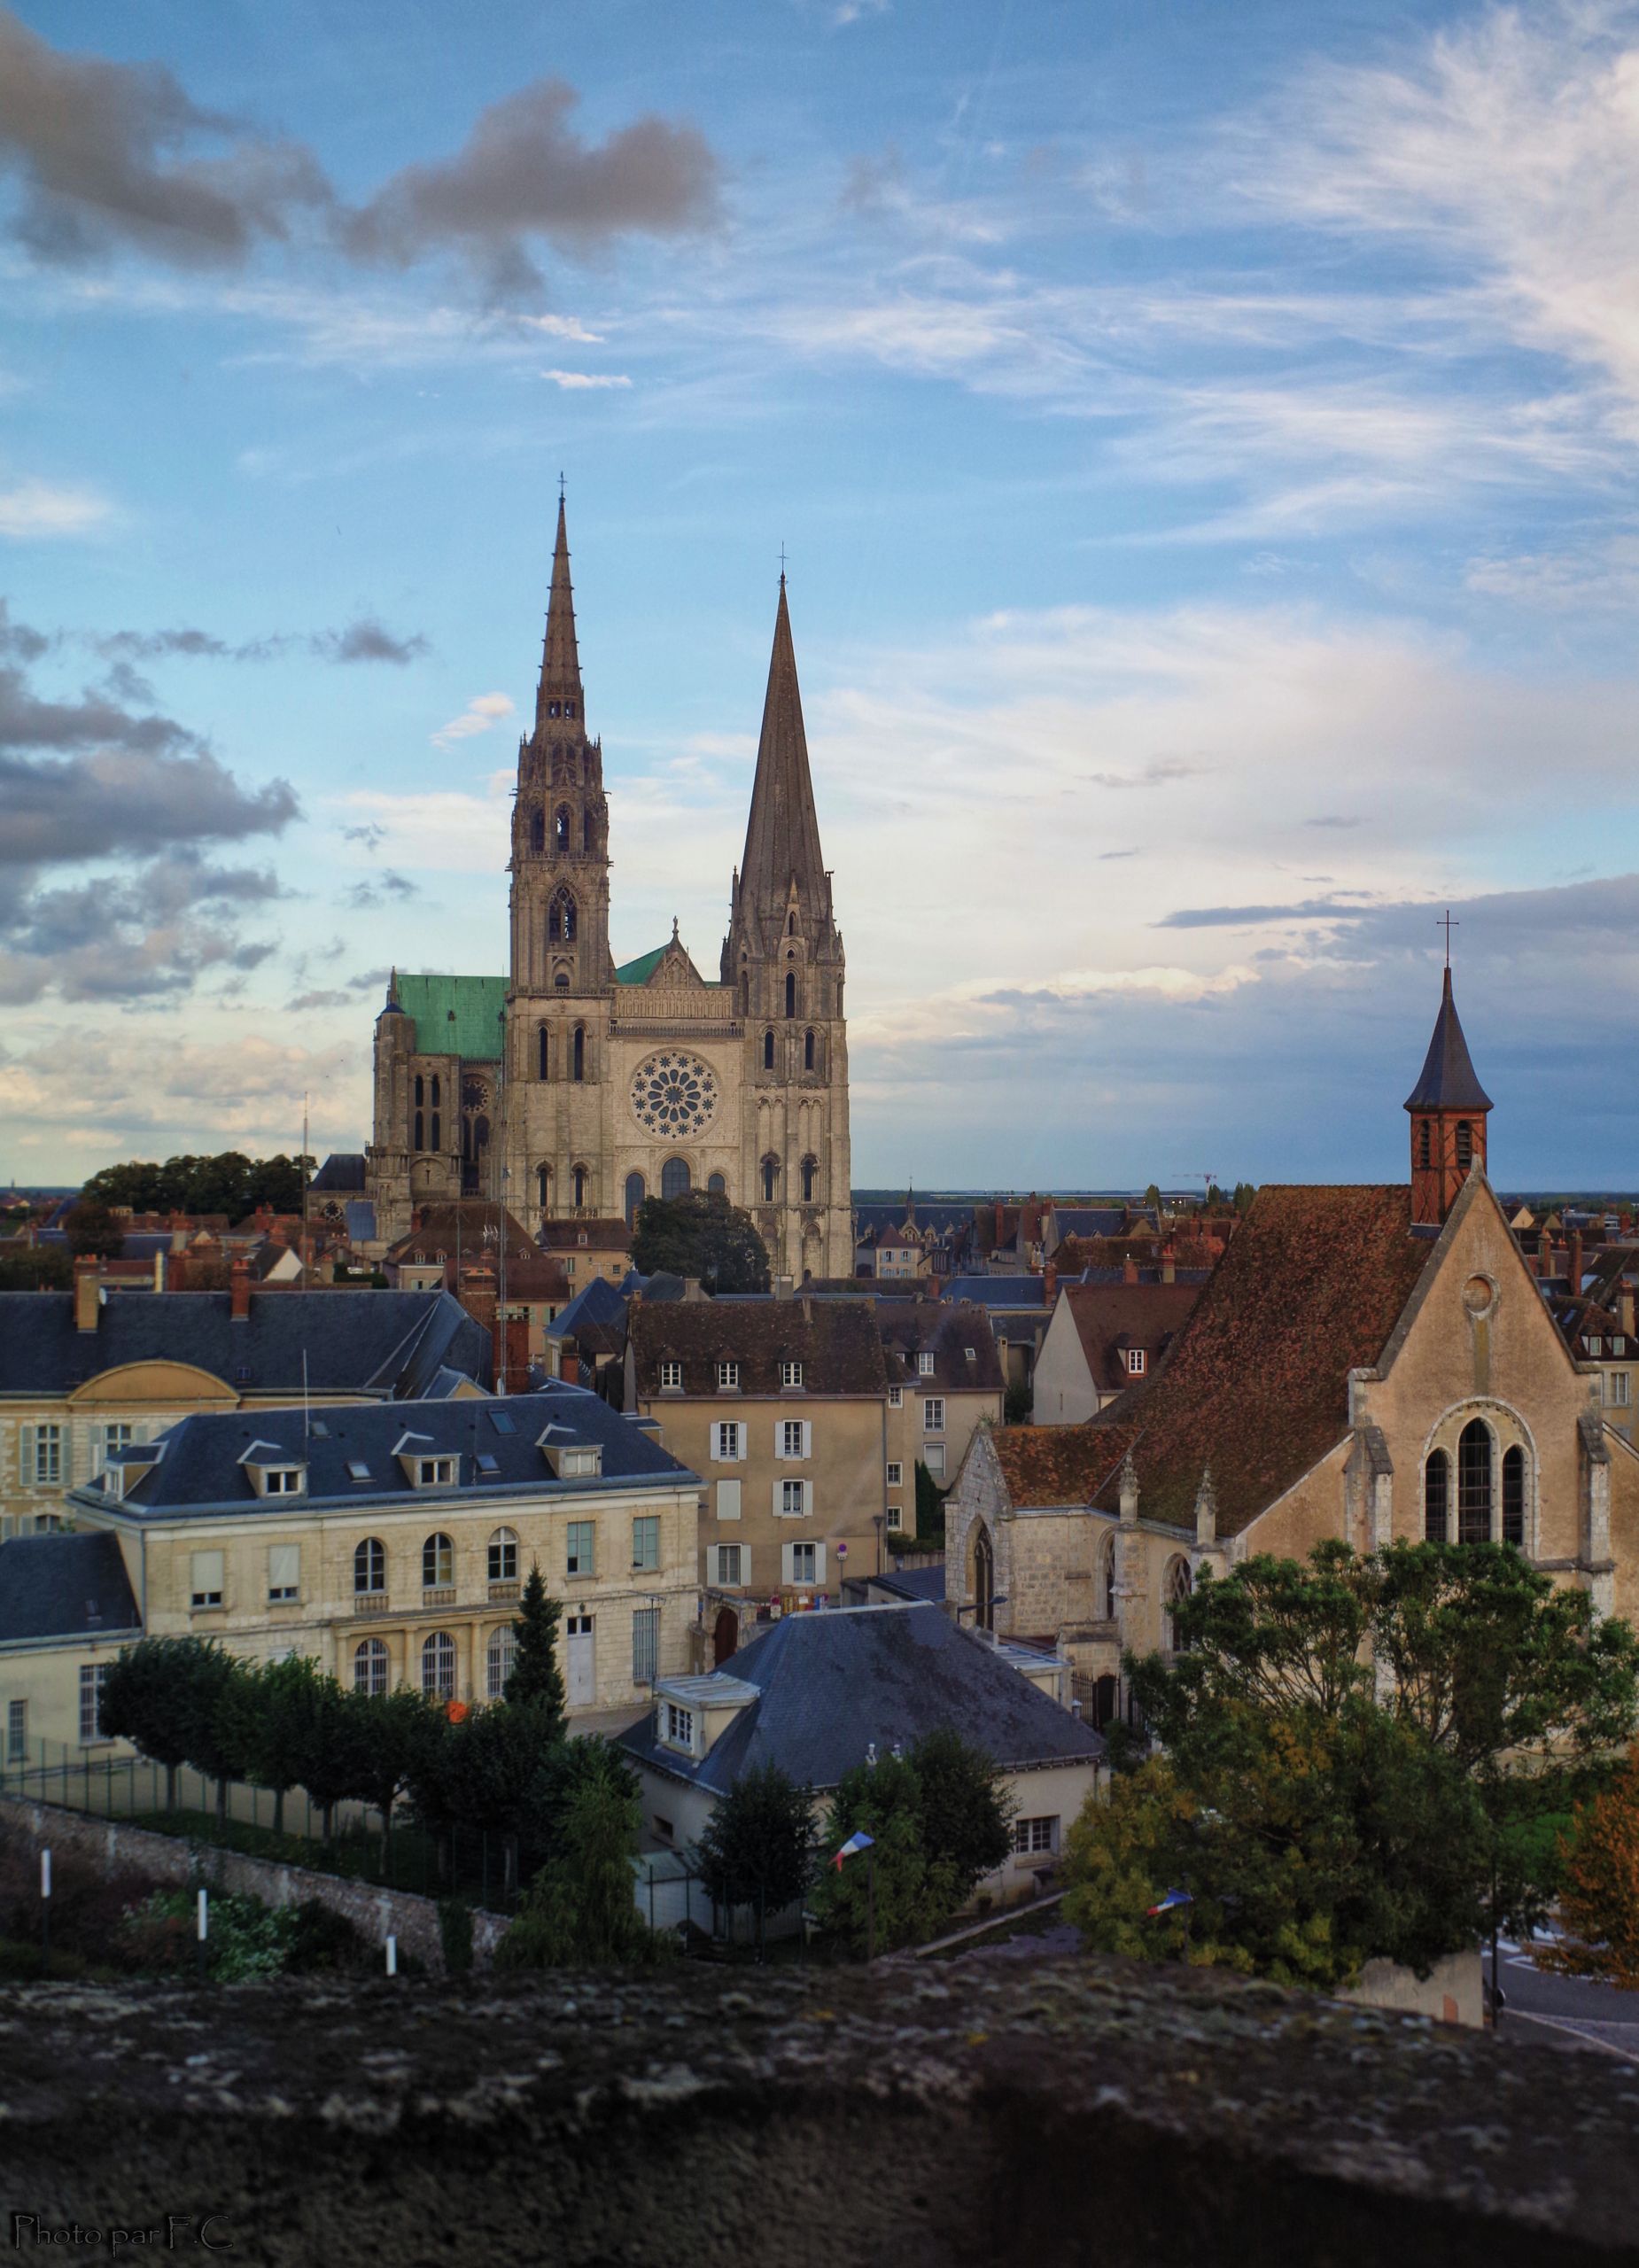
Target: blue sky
1204,439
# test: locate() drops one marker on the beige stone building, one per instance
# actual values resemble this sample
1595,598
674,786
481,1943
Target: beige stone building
1366,1363
67,1607
779,1405
390,1544
944,1379
573,1087
91,1370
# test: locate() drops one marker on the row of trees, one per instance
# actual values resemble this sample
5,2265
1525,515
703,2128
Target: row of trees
1362,1757
230,1183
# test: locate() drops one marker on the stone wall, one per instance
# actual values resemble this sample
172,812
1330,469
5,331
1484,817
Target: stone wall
1066,2114
115,1848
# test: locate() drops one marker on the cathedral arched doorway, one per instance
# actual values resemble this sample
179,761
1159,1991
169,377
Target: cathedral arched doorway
725,1636
981,1576
675,1178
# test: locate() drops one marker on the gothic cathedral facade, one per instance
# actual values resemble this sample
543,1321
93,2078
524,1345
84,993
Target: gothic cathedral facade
575,1086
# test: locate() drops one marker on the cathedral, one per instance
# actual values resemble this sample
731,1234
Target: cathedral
573,1086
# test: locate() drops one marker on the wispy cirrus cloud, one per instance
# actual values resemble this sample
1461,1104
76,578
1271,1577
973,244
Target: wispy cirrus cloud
481,714
38,510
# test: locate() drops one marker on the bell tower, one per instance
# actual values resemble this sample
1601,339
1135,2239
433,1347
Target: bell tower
1448,1108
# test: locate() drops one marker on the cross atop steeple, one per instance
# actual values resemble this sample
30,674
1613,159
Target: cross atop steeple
1446,923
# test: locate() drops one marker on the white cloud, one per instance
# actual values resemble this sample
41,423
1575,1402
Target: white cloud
582,381
481,714
35,508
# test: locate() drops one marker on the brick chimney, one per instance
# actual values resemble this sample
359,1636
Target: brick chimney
88,1293
1170,1263
239,1291
1050,1283
1573,1260
1130,1269
569,1365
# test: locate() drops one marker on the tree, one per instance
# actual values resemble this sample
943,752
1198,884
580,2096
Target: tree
92,1228
325,1744
758,1846
580,1911
929,1508
535,1675
150,1698
1599,1893
393,1736
967,1812
37,1268
898,1894
701,1235
1152,1198
266,1700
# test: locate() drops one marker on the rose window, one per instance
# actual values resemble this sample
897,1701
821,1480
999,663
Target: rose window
673,1094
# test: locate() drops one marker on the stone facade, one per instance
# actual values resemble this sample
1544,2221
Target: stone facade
575,1087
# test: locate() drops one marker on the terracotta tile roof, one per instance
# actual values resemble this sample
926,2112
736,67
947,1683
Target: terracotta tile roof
570,1233
834,1340
1256,1383
1109,1318
950,1331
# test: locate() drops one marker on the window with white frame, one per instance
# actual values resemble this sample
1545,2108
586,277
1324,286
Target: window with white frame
795,1438
369,1566
896,1397
790,1374
727,1377
671,1378
284,1574
933,1457
895,1519
680,1726
372,1666
731,1563
728,1500
1619,1388
206,1579
110,1439
1135,1361
794,1499
1618,1346
924,1363
48,1460
728,1439
896,1475
16,1732
93,1677
437,1562
804,1563
646,1542
1031,1836
933,1414
503,1556
280,1480
435,1472
578,1557
500,1656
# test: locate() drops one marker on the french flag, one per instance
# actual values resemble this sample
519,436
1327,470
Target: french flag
1174,1898
852,1847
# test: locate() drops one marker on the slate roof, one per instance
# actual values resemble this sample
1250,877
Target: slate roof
342,1172
354,1341
835,1342
830,1684
65,1586
1256,1383
200,1468
1089,1220
1110,1319
996,1291
1447,1080
574,1234
455,1015
913,1583
598,1302
468,1229
946,1327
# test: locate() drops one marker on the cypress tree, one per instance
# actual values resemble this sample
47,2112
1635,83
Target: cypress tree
536,1676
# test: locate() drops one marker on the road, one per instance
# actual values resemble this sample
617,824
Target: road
1544,2006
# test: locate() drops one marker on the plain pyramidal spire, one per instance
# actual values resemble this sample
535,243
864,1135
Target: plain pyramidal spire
782,835
560,657
1448,1080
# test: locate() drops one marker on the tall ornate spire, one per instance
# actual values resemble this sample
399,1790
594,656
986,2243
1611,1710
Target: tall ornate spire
782,835
560,657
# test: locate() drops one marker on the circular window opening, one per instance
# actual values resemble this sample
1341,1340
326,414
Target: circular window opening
1480,1295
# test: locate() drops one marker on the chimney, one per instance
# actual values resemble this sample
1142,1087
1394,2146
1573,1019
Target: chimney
159,1271
1573,1260
88,1293
240,1290
1130,1269
1050,1283
569,1365
1170,1263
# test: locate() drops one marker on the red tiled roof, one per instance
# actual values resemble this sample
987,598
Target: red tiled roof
1110,1317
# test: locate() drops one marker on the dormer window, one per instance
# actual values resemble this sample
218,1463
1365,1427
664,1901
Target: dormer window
727,1377
435,1472
671,1378
281,1480
1596,1344
579,1463
679,1732
968,1354
790,1374
924,1363
1618,1346
1135,1361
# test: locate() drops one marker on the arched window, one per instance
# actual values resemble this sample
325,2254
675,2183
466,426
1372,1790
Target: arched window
543,1053
437,1562
437,1666
716,1186
369,1566
1106,1579
437,1131
1180,1584
537,831
586,834
421,1095
436,1090
811,1166
1425,1143
543,1187
637,1189
768,1049
1437,1497
560,919
501,1654
771,1177
1465,1146
561,981
421,1128
580,1179
790,924
675,1178
983,1577
578,1067
503,1556
371,1667
1514,1497
839,996
790,992
1473,1483
560,828
808,1051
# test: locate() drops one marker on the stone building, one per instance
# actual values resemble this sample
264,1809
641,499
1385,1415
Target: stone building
1367,1363
573,1086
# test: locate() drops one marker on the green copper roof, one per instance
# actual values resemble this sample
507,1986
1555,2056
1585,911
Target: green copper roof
455,1015
640,971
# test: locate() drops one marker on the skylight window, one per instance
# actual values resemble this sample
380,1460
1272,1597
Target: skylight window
502,1420
357,1470
488,1466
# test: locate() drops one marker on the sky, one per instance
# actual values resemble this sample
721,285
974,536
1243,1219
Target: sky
1203,442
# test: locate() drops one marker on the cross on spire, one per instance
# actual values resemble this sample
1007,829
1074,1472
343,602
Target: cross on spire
1446,923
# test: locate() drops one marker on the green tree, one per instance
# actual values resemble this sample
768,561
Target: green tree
580,1911
263,1702
967,1812
929,1509
703,1235
535,1675
151,1697
36,1267
897,1893
394,1738
92,1228
1152,1198
325,1744
758,1847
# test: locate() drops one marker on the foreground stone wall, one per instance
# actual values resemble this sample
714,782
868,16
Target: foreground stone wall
114,1848
1058,2113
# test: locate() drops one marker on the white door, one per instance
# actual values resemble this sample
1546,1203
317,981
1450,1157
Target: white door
582,1669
